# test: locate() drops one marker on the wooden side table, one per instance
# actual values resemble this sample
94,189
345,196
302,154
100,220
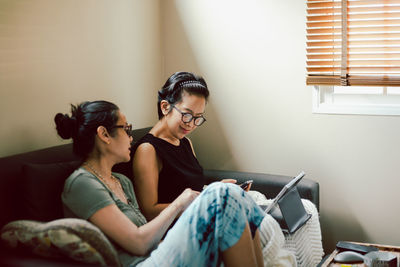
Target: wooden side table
328,262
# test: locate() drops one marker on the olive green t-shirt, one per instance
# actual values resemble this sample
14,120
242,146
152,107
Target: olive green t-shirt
84,194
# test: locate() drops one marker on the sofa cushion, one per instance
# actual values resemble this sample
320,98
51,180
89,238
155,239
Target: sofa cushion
42,185
77,239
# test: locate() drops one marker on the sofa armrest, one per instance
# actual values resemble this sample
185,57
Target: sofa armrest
268,184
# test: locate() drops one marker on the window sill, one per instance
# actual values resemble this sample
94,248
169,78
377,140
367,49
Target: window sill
382,110
323,103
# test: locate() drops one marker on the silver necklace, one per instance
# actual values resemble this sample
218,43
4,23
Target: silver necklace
113,178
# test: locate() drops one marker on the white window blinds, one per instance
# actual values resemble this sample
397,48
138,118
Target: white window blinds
353,42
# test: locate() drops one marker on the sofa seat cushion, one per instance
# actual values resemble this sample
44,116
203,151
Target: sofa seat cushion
42,185
77,239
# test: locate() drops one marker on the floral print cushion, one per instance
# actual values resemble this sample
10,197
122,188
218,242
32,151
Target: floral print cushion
75,238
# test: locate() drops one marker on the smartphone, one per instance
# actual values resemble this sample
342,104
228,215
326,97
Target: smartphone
246,184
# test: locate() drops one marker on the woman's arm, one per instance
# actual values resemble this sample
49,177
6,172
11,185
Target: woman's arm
191,145
139,240
146,167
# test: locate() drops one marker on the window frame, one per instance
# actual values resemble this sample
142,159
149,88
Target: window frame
323,99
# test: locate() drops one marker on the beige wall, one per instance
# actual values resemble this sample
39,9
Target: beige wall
259,116
54,53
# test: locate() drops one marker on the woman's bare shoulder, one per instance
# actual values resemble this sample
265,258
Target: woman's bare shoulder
144,156
145,147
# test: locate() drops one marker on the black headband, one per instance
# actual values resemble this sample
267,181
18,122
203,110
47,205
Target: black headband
191,84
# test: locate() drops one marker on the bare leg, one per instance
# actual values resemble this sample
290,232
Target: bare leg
257,249
242,253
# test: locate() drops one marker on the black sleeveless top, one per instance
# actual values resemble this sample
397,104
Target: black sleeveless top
180,168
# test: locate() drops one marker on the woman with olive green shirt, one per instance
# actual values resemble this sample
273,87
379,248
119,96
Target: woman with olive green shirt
85,194
219,224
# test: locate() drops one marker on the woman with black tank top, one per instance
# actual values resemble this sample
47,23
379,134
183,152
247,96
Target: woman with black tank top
164,162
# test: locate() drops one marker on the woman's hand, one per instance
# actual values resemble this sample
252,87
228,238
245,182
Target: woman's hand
185,198
233,181
247,189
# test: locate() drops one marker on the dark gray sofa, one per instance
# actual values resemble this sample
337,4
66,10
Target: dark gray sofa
31,184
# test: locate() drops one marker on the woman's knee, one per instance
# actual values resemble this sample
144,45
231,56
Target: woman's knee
224,188
226,194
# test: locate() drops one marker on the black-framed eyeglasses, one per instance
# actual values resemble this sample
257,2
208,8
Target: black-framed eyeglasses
127,128
188,117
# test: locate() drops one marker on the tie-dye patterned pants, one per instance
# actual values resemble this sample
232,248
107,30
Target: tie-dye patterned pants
213,223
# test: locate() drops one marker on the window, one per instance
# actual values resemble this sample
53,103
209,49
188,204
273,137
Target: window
351,46
353,42
356,100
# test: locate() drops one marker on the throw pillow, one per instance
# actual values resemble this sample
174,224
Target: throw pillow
42,185
75,238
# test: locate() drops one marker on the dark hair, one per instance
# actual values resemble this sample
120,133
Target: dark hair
176,84
83,123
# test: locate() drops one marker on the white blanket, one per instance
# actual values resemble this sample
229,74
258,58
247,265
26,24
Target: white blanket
303,248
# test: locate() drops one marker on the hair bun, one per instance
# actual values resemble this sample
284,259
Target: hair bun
65,125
